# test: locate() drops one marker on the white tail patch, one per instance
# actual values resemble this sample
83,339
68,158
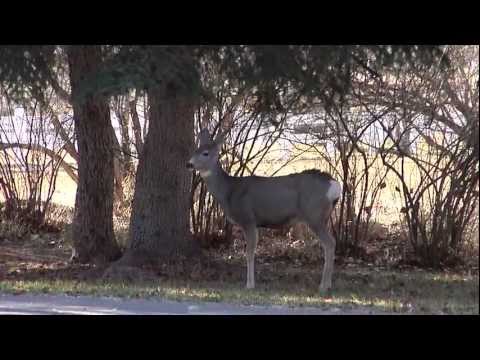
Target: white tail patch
334,191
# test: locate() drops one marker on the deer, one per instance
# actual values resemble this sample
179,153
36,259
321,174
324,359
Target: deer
253,202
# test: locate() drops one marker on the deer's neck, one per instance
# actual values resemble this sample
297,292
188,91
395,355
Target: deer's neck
218,184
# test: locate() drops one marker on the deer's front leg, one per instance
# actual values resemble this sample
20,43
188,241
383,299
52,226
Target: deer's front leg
251,236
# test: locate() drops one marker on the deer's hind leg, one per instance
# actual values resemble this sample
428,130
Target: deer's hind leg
328,245
318,224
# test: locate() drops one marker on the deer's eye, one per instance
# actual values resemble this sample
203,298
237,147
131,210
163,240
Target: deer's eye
205,153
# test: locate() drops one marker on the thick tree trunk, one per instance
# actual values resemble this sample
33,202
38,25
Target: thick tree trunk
159,227
93,237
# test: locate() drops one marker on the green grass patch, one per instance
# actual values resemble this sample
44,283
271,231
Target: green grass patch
405,293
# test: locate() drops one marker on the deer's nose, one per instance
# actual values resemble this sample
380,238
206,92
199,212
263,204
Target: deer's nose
189,165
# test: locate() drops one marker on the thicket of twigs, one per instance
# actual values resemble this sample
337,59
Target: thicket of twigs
411,136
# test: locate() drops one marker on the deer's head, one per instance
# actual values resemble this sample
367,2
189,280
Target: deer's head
205,157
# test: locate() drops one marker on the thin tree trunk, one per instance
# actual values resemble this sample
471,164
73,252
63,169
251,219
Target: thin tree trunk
121,106
159,227
93,237
127,159
137,130
118,169
69,146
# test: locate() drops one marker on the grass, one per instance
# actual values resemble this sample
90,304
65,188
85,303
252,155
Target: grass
392,292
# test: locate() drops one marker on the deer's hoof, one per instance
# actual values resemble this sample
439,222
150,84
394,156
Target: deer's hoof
250,286
324,290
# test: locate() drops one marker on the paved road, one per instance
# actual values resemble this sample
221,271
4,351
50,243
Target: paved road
26,304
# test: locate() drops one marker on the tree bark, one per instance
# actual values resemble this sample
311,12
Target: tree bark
93,237
159,227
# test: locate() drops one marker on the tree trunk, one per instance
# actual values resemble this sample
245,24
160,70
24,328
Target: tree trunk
159,227
118,169
137,130
93,237
127,159
122,111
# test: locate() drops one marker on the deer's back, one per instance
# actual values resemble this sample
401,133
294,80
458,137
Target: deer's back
273,201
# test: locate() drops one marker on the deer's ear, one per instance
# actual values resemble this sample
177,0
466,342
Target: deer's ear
204,137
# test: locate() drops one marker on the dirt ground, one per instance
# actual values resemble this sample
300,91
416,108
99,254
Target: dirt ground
47,257
291,269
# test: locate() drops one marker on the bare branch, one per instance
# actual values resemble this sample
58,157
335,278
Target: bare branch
51,153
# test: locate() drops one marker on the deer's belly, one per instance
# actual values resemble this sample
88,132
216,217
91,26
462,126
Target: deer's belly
269,224
276,222
272,223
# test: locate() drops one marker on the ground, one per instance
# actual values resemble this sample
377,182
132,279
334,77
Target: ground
47,304
284,278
